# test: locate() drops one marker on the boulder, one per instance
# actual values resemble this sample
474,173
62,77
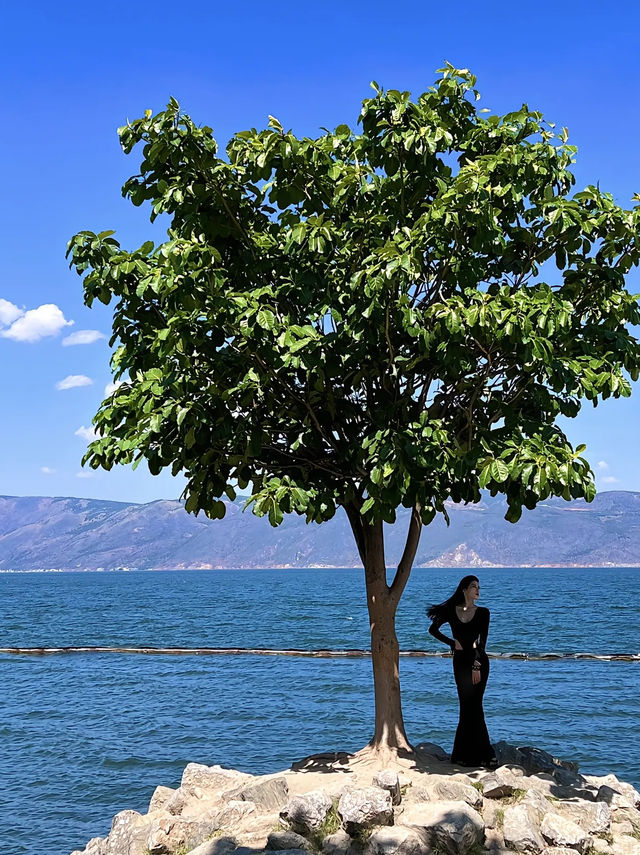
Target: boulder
558,850
217,846
128,835
443,788
532,760
494,841
538,802
213,777
592,817
283,840
492,813
389,780
160,797
397,840
306,813
543,783
452,827
363,807
231,815
559,831
618,829
521,829
338,843
96,846
626,814
621,787
625,845
169,833
501,783
568,778
617,797
432,750
267,794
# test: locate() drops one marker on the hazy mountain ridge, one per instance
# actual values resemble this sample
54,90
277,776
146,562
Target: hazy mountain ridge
88,534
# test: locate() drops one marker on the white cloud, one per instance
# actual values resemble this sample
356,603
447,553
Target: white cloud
37,323
8,313
87,433
85,473
110,388
74,380
602,464
82,337
46,470
609,479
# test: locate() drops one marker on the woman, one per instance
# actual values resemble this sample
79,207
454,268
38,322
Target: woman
470,626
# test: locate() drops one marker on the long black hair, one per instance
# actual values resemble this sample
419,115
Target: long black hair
442,610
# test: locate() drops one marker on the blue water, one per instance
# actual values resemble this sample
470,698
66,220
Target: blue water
86,735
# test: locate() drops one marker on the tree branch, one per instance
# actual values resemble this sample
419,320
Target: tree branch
357,527
406,562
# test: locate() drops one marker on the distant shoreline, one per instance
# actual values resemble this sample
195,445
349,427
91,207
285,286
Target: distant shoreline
317,567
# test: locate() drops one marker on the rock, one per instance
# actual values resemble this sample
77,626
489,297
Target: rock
397,840
630,815
617,797
388,780
416,795
267,794
619,786
96,846
363,807
305,813
160,797
217,846
232,814
443,788
618,829
532,760
498,784
521,829
338,843
625,845
282,840
592,817
494,841
432,750
555,850
558,831
452,827
213,777
172,832
568,778
492,813
128,835
538,802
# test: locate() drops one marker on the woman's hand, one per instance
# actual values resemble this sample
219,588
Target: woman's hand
456,644
475,676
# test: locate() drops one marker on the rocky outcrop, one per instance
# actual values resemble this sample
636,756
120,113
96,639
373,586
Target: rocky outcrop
540,806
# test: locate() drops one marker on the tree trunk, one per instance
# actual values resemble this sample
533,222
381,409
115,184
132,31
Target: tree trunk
389,740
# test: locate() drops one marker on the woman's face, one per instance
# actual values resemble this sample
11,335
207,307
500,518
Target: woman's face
473,591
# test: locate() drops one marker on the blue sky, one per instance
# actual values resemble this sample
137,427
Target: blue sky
73,72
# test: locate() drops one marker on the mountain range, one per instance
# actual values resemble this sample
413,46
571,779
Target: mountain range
39,532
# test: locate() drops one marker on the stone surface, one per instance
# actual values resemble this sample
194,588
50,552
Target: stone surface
96,846
453,827
432,750
160,797
614,783
305,813
559,831
282,840
492,813
521,829
538,801
618,829
494,841
266,794
361,808
501,783
558,850
447,789
389,780
592,817
626,845
169,833
212,777
217,846
337,843
631,815
128,835
397,840
232,814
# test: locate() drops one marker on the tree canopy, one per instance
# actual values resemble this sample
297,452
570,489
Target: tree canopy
393,316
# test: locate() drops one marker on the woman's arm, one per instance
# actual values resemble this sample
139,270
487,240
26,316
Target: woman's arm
481,641
434,630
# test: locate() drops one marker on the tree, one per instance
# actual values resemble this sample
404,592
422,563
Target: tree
362,321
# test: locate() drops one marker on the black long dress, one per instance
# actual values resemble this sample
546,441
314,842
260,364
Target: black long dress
472,746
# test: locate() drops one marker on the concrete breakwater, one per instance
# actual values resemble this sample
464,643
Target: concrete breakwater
340,804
